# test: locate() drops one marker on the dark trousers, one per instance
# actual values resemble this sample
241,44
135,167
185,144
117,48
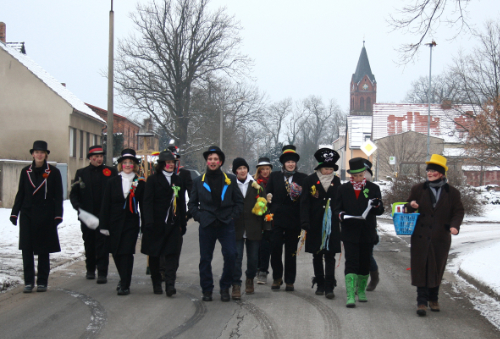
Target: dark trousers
357,258
169,266
96,252
163,264
290,238
208,236
252,259
265,252
124,264
425,294
329,269
29,268
373,263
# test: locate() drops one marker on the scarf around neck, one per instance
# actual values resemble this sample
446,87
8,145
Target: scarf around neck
263,181
127,182
358,186
326,180
168,175
288,174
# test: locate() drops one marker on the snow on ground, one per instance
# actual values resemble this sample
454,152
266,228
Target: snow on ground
11,264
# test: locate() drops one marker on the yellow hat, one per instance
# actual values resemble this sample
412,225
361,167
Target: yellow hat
439,160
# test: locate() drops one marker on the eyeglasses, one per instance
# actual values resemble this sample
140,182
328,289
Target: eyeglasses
431,171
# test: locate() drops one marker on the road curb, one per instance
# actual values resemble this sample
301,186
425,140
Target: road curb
479,285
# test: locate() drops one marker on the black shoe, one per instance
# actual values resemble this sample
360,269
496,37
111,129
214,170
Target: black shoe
207,296
170,290
28,288
123,291
41,288
102,280
224,294
329,286
422,310
320,282
289,288
120,285
90,275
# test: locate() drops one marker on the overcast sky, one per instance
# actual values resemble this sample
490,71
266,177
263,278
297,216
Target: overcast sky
300,48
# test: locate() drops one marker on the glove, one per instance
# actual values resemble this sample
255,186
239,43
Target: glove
13,220
341,216
269,197
57,221
375,202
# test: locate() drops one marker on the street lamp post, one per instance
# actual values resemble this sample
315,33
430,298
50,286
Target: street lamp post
109,138
432,44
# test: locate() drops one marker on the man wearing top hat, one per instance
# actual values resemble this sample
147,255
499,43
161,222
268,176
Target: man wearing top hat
216,202
86,194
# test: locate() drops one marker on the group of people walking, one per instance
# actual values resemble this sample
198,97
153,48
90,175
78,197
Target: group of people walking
264,215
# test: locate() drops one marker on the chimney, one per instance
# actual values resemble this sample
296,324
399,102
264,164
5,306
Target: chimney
3,32
63,83
446,104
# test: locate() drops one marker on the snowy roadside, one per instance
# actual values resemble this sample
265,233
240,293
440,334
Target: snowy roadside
11,265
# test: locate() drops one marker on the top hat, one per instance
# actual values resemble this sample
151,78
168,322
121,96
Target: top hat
439,160
356,165
264,162
166,155
217,150
368,166
39,145
289,153
175,151
128,153
326,157
94,150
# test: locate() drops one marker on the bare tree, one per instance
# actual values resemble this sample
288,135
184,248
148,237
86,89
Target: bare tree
179,43
422,17
444,87
274,120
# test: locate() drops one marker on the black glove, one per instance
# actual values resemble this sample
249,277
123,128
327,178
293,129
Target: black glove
376,202
57,221
341,216
13,220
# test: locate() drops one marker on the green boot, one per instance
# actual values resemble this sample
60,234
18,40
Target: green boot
350,284
362,282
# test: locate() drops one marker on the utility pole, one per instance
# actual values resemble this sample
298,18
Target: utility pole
109,138
432,44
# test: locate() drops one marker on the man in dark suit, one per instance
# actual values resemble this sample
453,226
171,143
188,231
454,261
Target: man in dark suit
215,202
86,194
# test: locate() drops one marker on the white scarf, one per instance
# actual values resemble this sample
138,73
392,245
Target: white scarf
127,182
326,180
168,175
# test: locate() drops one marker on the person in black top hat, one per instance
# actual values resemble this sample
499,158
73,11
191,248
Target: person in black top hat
357,234
39,205
165,222
264,169
318,219
86,194
283,192
119,217
216,202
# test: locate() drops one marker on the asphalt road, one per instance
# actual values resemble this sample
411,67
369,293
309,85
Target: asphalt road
75,307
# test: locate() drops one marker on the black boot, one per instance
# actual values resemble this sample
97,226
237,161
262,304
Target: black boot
320,281
224,294
374,280
157,289
170,288
329,286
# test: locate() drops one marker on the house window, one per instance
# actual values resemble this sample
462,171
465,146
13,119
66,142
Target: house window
367,136
94,137
362,104
72,142
88,139
81,144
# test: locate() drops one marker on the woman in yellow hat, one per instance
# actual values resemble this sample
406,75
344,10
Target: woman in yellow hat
441,213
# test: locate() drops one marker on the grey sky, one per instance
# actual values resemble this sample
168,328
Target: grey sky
300,48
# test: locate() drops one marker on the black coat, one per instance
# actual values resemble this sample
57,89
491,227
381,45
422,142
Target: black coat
205,211
39,202
286,212
83,197
312,211
123,225
160,238
356,230
248,222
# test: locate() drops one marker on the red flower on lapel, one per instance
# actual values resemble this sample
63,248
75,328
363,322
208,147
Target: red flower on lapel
45,175
318,183
106,172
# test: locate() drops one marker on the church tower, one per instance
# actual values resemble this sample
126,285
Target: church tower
363,87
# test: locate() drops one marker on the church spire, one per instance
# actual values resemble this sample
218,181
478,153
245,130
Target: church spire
363,67
363,86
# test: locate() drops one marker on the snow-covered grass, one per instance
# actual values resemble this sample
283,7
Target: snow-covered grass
11,265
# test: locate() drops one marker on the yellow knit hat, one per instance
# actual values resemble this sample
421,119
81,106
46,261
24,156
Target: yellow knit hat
439,160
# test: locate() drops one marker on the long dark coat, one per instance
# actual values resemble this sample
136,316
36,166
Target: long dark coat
431,240
160,238
123,225
249,222
286,212
312,211
40,202
357,230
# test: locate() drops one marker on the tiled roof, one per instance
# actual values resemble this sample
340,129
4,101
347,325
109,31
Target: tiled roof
51,82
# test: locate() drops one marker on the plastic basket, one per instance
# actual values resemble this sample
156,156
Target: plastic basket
404,223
